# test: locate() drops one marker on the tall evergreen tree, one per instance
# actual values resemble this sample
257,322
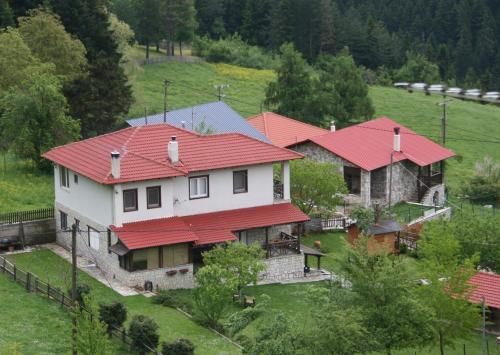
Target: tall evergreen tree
289,93
6,14
149,22
101,97
326,27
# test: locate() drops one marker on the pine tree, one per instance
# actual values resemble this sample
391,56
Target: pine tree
326,27
149,22
289,93
6,14
99,98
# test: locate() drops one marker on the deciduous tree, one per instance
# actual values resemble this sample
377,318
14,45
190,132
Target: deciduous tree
316,185
243,262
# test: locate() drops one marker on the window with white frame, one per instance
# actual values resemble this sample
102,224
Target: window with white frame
129,200
198,187
153,195
64,176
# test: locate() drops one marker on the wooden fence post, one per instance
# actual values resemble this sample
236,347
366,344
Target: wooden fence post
48,290
15,273
28,281
36,284
4,263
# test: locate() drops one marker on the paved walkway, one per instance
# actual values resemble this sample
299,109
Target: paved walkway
314,276
90,268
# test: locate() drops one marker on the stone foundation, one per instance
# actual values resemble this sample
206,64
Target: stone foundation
283,268
108,262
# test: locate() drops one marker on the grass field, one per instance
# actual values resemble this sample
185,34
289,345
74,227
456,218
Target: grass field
172,323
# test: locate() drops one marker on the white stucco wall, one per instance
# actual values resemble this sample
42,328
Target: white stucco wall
88,198
143,213
260,191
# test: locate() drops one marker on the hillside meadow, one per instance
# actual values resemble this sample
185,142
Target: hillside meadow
470,126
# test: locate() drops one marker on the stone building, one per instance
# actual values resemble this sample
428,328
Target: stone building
148,200
381,160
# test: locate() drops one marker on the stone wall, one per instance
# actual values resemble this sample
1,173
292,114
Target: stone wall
282,268
404,182
320,154
108,262
428,198
35,232
379,183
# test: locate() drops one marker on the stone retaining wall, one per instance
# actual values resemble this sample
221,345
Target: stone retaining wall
283,268
35,232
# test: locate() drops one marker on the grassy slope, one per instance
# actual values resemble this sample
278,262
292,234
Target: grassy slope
36,325
172,323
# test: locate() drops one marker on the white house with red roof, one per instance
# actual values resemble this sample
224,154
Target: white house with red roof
370,152
148,200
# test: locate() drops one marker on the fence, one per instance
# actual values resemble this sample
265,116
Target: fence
32,283
328,222
24,216
163,59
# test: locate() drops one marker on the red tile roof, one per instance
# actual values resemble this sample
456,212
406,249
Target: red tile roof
487,285
205,228
144,153
284,131
369,145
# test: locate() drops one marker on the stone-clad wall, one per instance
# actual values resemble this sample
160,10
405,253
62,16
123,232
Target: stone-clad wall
379,183
320,154
108,262
404,182
283,268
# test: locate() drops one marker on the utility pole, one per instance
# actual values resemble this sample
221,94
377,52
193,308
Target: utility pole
165,91
220,90
485,344
73,285
444,105
390,180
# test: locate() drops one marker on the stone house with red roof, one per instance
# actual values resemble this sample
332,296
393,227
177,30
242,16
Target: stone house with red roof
381,160
148,200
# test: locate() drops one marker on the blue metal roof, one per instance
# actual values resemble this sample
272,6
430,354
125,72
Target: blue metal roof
216,116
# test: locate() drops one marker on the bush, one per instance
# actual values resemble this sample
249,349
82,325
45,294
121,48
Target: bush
144,333
166,299
233,50
239,320
82,290
113,315
178,347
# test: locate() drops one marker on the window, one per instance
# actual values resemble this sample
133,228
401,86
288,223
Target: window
93,238
145,259
75,178
154,196
198,187
174,255
240,181
129,200
64,220
352,177
64,176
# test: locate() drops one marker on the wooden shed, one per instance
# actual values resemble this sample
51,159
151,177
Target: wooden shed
383,236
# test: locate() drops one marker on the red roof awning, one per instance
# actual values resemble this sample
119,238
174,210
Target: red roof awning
487,285
207,228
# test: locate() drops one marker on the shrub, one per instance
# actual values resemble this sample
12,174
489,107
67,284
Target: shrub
166,299
144,334
239,320
178,347
233,50
82,291
113,315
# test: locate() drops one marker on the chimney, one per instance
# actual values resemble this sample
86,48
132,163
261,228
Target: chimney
332,126
173,150
115,164
183,124
397,140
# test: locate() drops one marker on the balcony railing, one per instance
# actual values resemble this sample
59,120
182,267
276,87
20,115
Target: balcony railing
286,244
433,180
278,190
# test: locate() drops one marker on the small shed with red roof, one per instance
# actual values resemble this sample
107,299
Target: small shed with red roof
382,159
487,287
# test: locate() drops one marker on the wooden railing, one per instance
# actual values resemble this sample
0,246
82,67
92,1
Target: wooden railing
285,245
24,216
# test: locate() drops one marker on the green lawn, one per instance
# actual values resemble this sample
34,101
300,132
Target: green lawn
23,188
173,324
36,325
